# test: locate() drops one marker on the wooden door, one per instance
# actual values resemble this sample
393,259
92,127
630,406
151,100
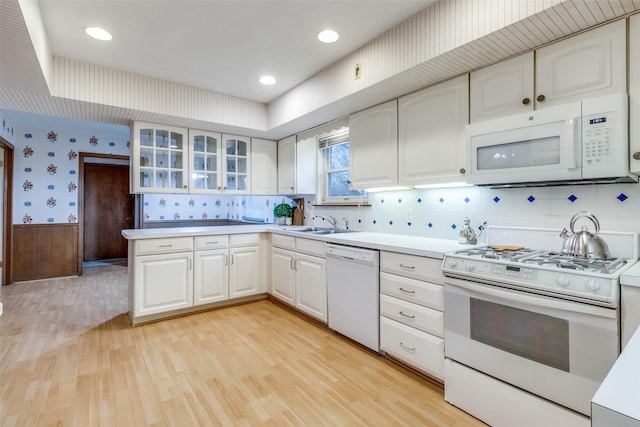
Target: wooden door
108,209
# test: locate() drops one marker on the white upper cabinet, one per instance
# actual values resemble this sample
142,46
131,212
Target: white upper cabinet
431,138
287,165
264,167
297,165
205,155
583,66
634,93
502,89
373,146
159,159
587,65
236,164
306,165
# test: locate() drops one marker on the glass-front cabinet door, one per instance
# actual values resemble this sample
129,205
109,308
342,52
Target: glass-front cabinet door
236,164
205,154
159,159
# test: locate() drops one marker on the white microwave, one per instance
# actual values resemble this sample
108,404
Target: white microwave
585,141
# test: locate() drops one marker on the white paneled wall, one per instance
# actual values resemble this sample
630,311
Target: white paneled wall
445,40
101,85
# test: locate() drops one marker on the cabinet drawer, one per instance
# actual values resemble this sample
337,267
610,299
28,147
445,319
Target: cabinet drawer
249,239
163,246
417,267
283,241
415,291
417,316
219,241
416,348
311,247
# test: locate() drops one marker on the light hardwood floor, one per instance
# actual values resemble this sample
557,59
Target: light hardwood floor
68,357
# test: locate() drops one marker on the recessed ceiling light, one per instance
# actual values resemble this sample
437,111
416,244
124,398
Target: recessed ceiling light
267,80
328,36
98,33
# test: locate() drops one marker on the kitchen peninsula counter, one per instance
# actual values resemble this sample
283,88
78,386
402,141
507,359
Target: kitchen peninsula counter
413,245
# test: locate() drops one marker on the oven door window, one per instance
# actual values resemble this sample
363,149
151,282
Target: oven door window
534,336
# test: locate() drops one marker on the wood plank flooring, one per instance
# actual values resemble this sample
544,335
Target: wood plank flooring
68,357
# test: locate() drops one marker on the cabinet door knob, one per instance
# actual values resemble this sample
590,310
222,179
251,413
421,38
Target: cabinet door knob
541,98
526,101
636,155
463,171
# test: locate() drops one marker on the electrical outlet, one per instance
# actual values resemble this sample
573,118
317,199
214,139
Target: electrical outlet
357,71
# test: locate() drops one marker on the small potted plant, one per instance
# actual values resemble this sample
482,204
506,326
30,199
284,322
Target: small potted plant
283,212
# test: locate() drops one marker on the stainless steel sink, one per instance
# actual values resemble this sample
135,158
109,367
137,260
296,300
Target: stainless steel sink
318,230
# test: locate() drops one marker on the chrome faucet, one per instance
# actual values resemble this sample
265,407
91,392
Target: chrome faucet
330,219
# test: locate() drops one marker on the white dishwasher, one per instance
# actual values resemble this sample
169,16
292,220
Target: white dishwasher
353,293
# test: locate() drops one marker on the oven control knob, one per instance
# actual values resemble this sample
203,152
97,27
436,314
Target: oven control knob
453,263
470,266
592,286
562,281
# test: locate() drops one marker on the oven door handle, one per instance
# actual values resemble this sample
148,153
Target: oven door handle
482,291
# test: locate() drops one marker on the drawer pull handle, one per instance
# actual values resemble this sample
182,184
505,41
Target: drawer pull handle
166,246
407,315
407,348
408,291
212,243
410,267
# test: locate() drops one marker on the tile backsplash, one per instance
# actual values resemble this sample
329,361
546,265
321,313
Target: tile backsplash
439,213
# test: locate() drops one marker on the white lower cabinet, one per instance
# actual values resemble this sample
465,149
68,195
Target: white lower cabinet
164,283
299,274
411,311
171,274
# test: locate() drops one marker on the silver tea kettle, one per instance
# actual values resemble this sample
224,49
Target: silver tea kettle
583,244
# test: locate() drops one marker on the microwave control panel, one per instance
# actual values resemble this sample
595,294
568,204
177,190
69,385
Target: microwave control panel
598,140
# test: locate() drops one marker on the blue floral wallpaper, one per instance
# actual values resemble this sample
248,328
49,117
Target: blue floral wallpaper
46,153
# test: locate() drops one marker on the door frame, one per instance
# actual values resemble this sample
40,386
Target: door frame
7,211
107,159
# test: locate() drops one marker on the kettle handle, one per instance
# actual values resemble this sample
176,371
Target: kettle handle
584,214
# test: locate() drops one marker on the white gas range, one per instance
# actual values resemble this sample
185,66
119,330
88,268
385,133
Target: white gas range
530,327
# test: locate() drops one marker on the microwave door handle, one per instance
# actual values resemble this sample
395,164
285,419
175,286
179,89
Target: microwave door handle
488,291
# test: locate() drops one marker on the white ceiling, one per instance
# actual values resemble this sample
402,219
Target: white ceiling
220,45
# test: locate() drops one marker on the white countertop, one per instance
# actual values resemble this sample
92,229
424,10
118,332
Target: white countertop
421,246
620,390
631,277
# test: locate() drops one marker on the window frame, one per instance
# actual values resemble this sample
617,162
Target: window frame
324,145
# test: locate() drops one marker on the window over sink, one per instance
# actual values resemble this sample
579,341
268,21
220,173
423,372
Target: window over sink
336,187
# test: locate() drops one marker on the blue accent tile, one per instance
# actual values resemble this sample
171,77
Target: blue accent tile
419,200
72,140
146,203
190,216
50,219
177,203
531,199
496,199
28,135
430,225
27,170
467,200
217,216
51,154
359,221
161,216
72,204
441,200
399,200
72,172
453,226
409,224
622,197
27,203
112,144
204,204
381,200
51,187
390,222
572,198
374,221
